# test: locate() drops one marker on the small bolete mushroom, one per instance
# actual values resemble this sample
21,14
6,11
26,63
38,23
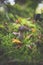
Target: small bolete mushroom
23,28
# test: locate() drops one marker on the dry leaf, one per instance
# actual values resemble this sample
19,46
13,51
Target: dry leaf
33,30
16,41
29,36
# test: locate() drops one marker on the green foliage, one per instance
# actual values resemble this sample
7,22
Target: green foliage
24,52
29,50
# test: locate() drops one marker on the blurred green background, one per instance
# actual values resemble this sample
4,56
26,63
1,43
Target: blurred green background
11,18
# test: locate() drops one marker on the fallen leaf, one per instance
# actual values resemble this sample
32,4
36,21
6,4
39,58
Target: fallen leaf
16,41
29,36
16,33
33,30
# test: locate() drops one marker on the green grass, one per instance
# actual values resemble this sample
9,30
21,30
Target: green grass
10,50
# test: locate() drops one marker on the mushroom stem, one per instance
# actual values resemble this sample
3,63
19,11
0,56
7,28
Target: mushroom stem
21,35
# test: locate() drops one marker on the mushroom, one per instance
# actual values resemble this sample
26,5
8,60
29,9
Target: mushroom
21,30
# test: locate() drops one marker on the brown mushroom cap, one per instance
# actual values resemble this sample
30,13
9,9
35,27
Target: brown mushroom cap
23,28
